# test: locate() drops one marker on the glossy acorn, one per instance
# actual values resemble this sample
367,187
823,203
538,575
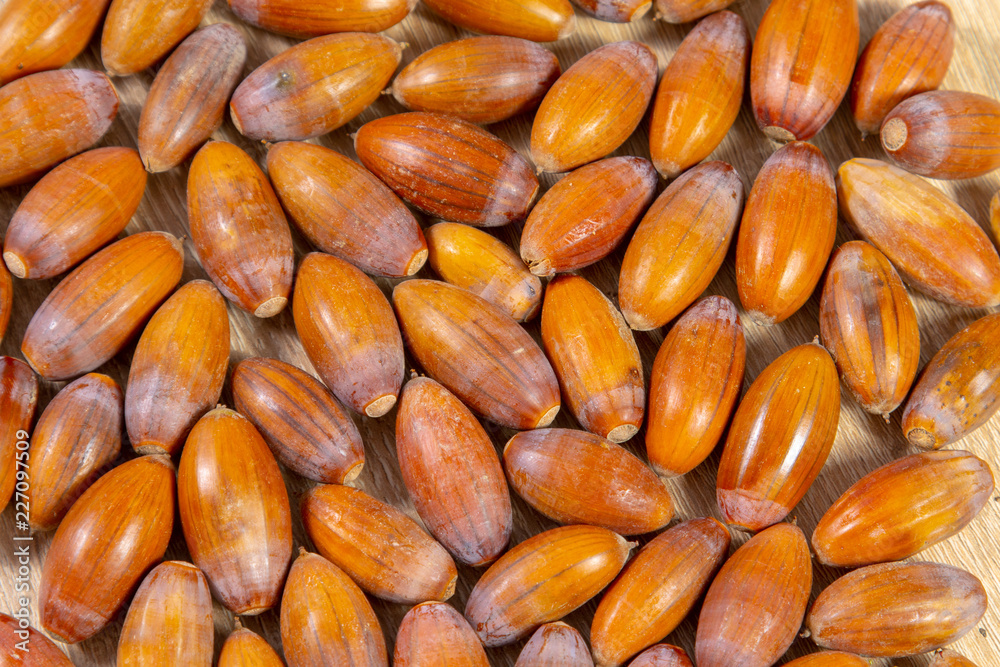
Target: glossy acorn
535,20
829,659
73,211
555,645
14,636
244,648
7,299
138,33
684,11
662,655
345,211
615,11
995,217
433,634
948,658
18,400
315,18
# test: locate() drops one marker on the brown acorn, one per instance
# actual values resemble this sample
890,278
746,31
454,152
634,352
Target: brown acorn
326,619
101,305
244,648
948,658
187,100
308,430
801,67
779,439
754,607
49,117
582,218
662,655
578,477
657,590
679,245
555,645
169,621
15,638
315,17
542,579
944,134
535,20
828,659
137,33
615,11
433,634
7,298
234,512
995,217
76,440
18,400
347,328
479,79
903,508
239,229
74,210
868,324
684,11
594,106
477,352
479,262
908,55
696,378
107,541
933,243
920,607
344,210
700,94
176,377
314,87
959,389
786,234
383,550
448,168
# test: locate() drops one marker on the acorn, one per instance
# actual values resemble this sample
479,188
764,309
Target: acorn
239,229
828,659
684,11
187,100
615,11
345,211
452,473
18,400
314,18
107,541
348,330
432,634
15,639
662,655
948,658
555,645
582,218
73,211
138,33
479,79
244,648
593,107
535,20
995,217
314,87
754,607
176,377
7,299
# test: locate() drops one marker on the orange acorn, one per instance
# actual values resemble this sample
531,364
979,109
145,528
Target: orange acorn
18,400
684,11
662,655
948,658
828,659
15,639
536,20
137,33
555,645
244,648
433,634
315,17
7,299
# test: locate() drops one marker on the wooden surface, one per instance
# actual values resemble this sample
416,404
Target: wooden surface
864,442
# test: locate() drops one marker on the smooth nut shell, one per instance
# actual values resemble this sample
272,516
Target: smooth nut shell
948,658
7,299
433,634
995,217
18,400
615,11
43,651
312,18
535,20
683,11
244,648
137,33
662,655
828,659
555,645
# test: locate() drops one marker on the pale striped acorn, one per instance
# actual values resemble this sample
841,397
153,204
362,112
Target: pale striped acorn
933,243
868,324
615,11
169,621
349,332
946,134
755,605
18,400
577,477
176,375
138,33
448,168
378,546
234,511
239,230
479,79
478,353
535,20
50,116
586,215
308,430
662,655
803,59
7,299
829,659
959,388
434,634
326,619
76,440
486,266
314,87
187,100
787,232
542,579
903,508
313,18
920,607
594,106
344,210
555,645
44,652
693,387
679,245
948,658
107,541
700,94
95,310
908,55
244,648
74,210
779,439
452,473
657,590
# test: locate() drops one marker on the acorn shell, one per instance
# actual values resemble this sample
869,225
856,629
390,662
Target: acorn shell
313,18
662,655
684,11
44,652
244,648
18,400
536,20
432,634
137,33
555,645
